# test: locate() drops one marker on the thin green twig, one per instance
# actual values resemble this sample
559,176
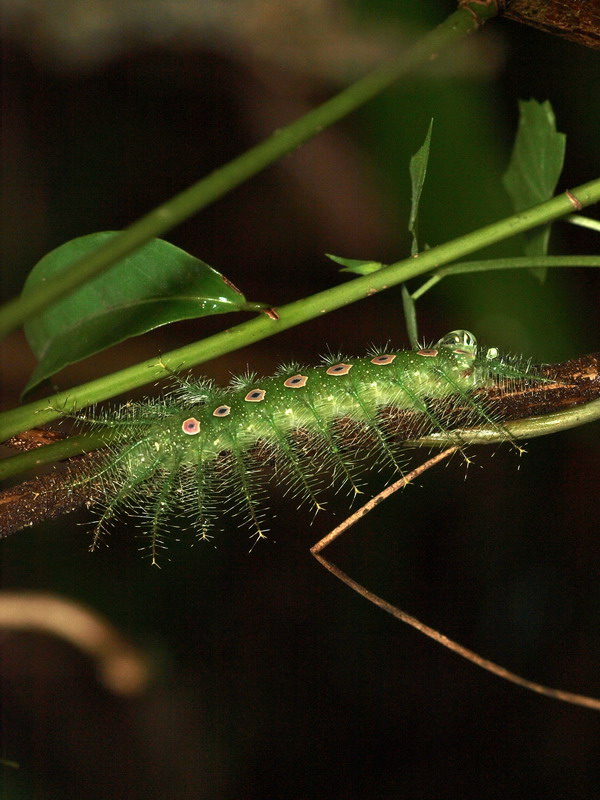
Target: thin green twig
505,263
51,453
223,180
529,428
45,410
584,222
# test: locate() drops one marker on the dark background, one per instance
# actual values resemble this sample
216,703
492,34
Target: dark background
273,680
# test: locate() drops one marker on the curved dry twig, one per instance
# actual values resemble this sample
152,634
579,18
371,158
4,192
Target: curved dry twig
470,655
122,668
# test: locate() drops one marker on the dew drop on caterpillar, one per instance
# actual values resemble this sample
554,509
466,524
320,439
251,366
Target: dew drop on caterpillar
202,449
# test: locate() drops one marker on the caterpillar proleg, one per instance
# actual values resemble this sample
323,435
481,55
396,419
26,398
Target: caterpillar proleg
201,449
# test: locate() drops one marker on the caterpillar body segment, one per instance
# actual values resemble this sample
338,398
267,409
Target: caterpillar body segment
201,449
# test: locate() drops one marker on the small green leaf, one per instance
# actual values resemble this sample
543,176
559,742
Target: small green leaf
534,169
155,285
418,170
356,265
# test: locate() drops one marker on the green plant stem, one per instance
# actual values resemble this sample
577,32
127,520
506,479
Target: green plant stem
505,263
584,222
42,411
223,180
528,428
48,454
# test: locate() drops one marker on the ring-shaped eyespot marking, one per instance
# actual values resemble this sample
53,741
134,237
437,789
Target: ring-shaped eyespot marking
190,426
429,353
255,396
296,382
492,353
382,360
339,369
222,411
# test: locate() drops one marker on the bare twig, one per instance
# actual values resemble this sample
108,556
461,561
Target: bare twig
490,666
122,668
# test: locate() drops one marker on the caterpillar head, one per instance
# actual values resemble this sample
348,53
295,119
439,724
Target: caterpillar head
487,363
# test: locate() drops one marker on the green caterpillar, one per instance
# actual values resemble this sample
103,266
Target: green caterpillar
203,449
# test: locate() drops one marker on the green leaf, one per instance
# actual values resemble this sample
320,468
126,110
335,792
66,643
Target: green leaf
534,169
418,170
157,284
356,265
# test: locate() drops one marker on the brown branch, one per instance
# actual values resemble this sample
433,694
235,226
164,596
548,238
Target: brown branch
48,496
35,437
44,498
577,20
574,383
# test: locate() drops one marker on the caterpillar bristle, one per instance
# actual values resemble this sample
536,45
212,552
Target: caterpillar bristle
243,381
374,350
161,504
201,451
189,389
286,456
330,357
288,368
